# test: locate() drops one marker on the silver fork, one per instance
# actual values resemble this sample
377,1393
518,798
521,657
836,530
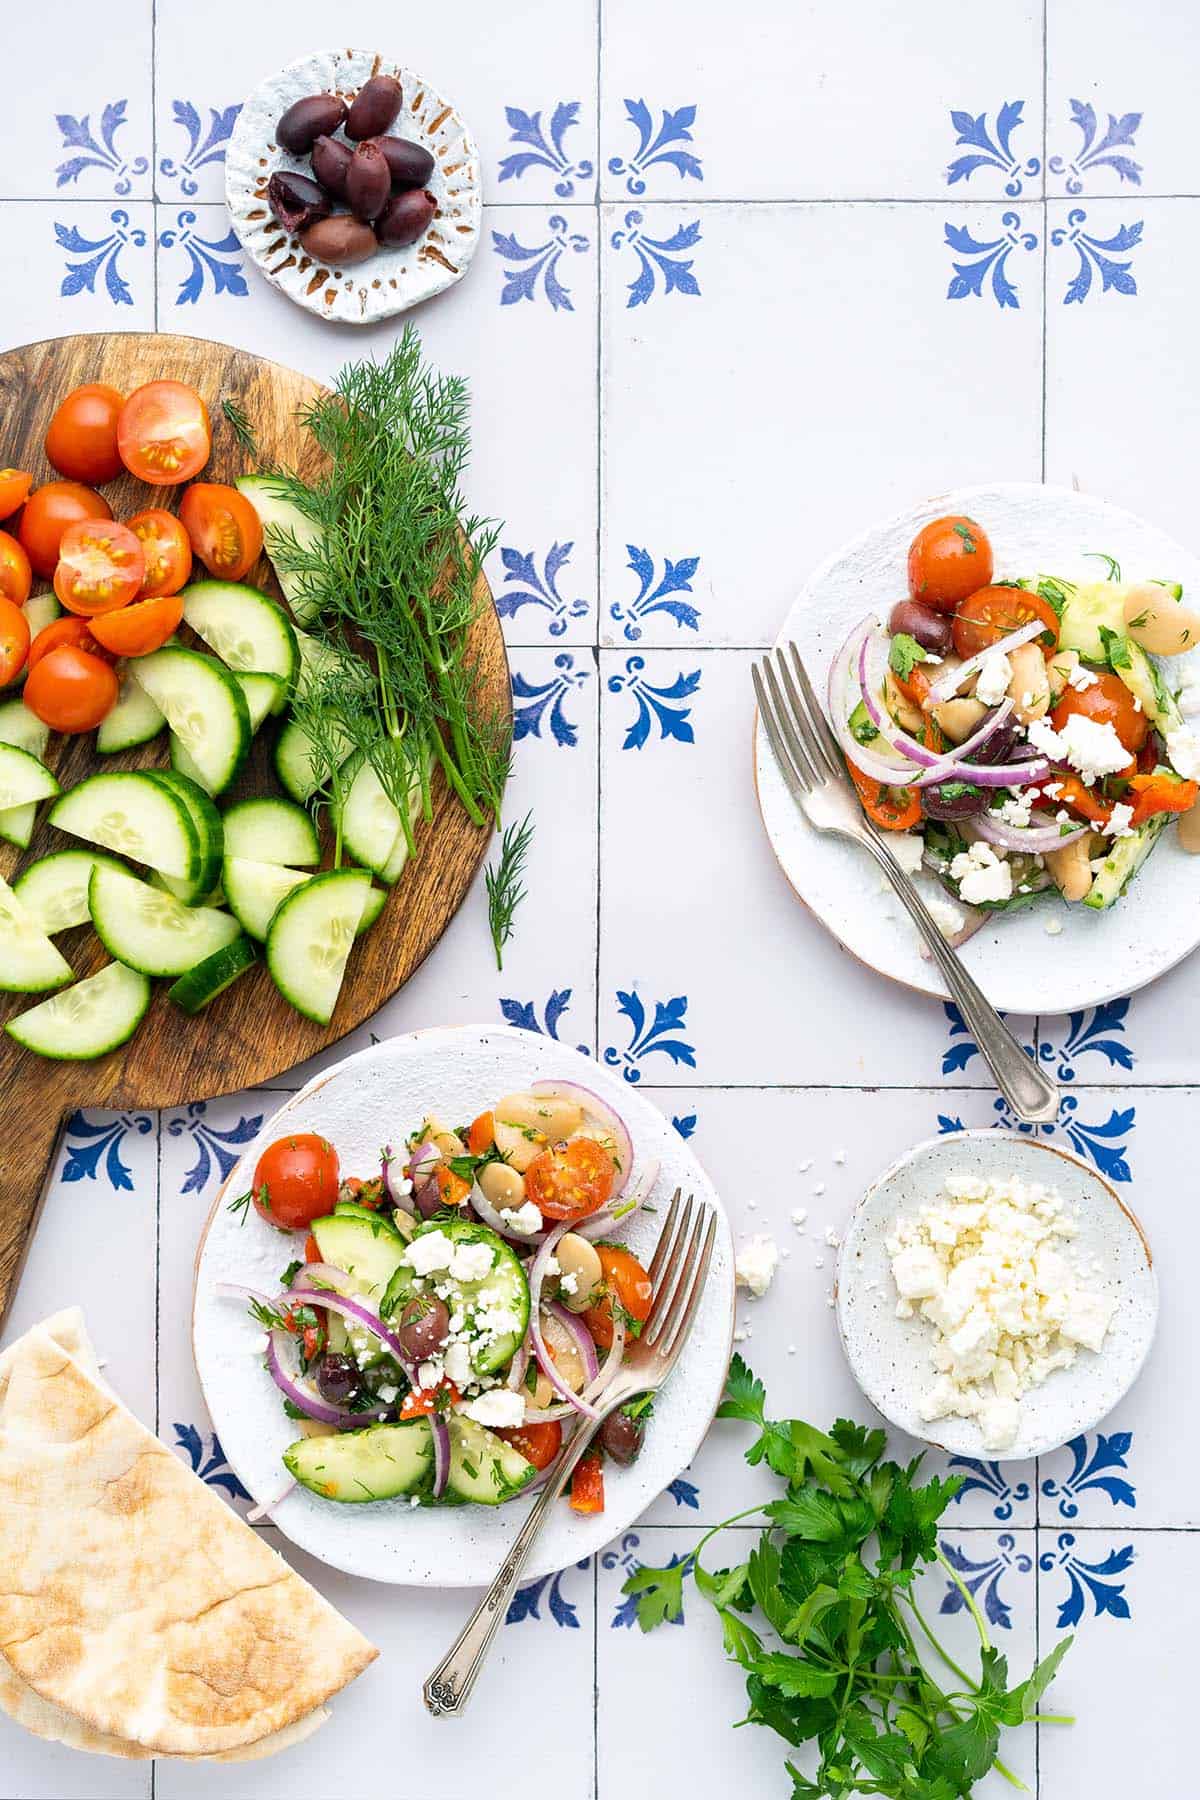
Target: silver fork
811,764
677,1271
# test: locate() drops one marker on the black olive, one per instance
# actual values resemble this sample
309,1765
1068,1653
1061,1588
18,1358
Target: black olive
622,1437
338,1378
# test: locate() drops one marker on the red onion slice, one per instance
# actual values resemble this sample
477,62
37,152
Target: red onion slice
599,1222
891,733
580,1336
520,1365
441,1453
322,1410
421,1165
1036,839
987,775
953,758
603,1113
357,1310
483,1207
952,680
892,773
546,1362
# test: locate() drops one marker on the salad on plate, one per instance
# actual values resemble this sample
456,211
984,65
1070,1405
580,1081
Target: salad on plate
453,1313
1025,735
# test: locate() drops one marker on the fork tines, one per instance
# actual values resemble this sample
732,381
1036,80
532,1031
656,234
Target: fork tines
678,1271
796,727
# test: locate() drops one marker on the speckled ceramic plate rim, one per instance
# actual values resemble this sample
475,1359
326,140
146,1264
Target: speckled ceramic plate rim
1019,965
391,280
462,1547
911,1338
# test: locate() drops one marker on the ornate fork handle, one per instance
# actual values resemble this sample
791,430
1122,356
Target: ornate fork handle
449,1687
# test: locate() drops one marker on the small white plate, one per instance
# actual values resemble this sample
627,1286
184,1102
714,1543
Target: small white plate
391,280
378,1096
1019,965
889,1357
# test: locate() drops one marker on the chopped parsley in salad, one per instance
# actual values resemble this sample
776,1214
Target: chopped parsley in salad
1024,734
454,1313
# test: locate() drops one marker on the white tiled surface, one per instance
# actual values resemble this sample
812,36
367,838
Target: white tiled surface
793,267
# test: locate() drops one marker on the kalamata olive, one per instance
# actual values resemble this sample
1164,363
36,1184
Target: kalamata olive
411,164
1000,746
331,165
339,241
377,104
423,1326
622,1437
368,182
338,1378
953,800
296,201
932,629
405,217
317,115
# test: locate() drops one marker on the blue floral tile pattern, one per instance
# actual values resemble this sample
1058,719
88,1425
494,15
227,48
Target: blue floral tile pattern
656,592
625,1613
989,1478
658,148
983,1579
98,149
986,149
535,266
1100,150
213,262
659,259
92,1145
543,147
660,1036
217,1149
987,257
1094,1469
1088,1580
536,701
524,1015
526,585
205,144
527,1601
1098,256
210,1465
99,256
656,705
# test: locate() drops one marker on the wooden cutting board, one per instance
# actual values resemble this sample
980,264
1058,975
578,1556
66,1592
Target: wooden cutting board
249,1034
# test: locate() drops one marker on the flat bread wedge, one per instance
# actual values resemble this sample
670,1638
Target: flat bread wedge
131,1597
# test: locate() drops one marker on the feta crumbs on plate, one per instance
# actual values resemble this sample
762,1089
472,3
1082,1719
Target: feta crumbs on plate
756,1263
984,1266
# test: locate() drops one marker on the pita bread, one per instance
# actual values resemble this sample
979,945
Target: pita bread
131,1597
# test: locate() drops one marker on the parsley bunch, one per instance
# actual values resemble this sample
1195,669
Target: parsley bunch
830,1657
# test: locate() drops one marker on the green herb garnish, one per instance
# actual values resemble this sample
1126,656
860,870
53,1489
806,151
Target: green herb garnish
505,891
1114,567
904,655
1116,648
968,542
861,728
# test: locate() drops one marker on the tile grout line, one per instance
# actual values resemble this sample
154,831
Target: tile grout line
1037,1024
599,763
154,201
980,202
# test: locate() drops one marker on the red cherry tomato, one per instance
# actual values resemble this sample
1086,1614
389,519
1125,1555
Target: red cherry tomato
225,531
482,1134
48,512
71,690
138,629
1109,702
625,1277
82,440
14,640
163,433
296,1181
587,1484
65,631
100,566
570,1180
992,613
538,1444
166,549
14,486
947,560
16,576
422,1401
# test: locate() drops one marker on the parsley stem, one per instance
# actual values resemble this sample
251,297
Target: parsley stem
942,1652
1001,1768
968,1599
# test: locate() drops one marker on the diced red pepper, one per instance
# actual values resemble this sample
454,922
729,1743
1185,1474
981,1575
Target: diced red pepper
1161,792
587,1484
420,1402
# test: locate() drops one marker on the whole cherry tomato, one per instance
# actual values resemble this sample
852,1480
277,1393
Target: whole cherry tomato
14,486
48,512
947,560
1109,702
16,576
14,640
82,440
296,1181
70,690
992,613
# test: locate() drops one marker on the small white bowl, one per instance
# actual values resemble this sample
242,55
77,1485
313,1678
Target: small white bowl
889,1357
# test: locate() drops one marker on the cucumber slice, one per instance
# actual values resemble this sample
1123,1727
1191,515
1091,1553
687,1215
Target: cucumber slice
17,823
136,815
359,1466
282,520
376,901
211,977
1089,606
364,1244
54,890
505,1283
133,720
255,890
264,694
23,779
483,1468
88,1020
150,930
207,822
311,937
247,629
370,823
29,963
1123,862
40,610
293,761
23,729
205,708
272,831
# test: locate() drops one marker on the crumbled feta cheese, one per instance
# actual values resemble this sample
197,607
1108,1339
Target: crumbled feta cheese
259,1345
499,1407
740,1335
429,1374
524,1220
1053,926
1081,678
756,1263
432,1250
1118,823
471,1262
818,1187
908,850
800,1217
945,915
839,1156
1017,809
1094,750
831,1237
568,1283
387,1393
1183,752
981,874
457,1364
806,1165
991,683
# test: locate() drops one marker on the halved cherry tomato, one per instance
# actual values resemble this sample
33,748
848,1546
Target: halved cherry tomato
451,1187
66,631
1160,792
570,1180
48,512
100,566
14,640
167,551
296,1181
82,440
587,1484
163,433
482,1134
991,613
16,576
625,1277
538,1444
225,531
947,560
419,1402
1109,702
14,486
141,627
891,808
71,690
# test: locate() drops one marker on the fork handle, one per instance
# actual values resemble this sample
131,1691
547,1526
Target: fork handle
1026,1087
449,1687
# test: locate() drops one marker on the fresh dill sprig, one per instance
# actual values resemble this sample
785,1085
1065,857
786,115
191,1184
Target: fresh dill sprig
334,705
505,890
239,424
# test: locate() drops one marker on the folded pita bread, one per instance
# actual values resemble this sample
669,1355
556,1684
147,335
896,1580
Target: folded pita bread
132,1600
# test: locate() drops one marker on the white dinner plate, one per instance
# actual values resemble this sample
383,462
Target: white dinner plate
889,1357
1019,965
377,1096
